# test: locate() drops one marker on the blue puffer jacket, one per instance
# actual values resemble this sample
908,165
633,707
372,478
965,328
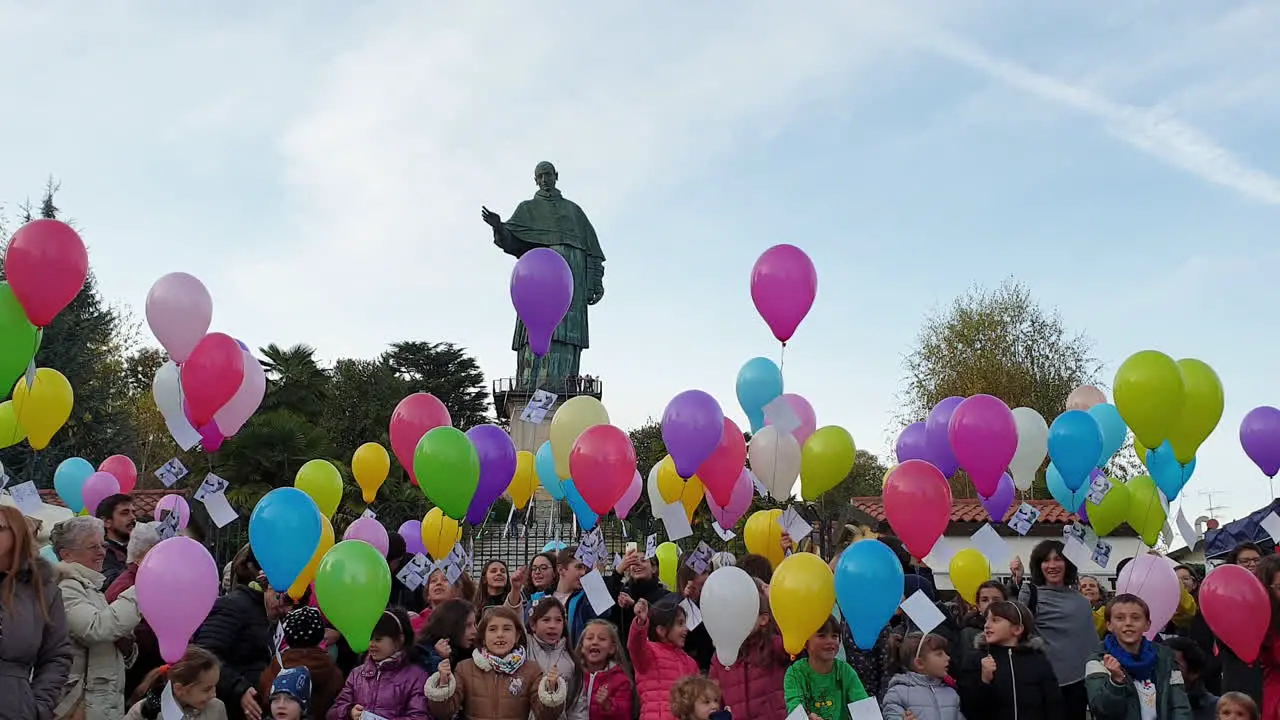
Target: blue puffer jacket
927,697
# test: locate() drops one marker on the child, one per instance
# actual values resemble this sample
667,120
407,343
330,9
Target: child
697,698
304,634
823,684
568,590
1133,677
550,649
656,646
1237,706
290,694
973,624
195,686
1007,675
604,674
922,689
389,683
753,684
450,635
497,683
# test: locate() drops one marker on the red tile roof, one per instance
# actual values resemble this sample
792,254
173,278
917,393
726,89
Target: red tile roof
966,510
144,501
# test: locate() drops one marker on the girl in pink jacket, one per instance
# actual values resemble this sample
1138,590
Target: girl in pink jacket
656,646
607,689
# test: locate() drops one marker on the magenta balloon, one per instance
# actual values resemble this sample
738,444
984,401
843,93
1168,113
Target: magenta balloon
211,376
175,503
97,488
411,531
1260,438
984,438
913,443
497,467
784,284
731,512
937,436
177,585
997,506
541,291
242,405
179,310
691,428
368,530
629,498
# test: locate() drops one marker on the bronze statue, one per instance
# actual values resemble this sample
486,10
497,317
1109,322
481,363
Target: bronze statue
550,220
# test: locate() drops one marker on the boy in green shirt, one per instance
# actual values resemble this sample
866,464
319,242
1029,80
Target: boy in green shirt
822,683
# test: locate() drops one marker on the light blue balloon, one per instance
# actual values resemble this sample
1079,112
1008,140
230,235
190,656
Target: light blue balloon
1114,431
587,517
284,532
868,589
1075,444
759,383
69,479
1170,475
544,464
47,553
1070,499
554,546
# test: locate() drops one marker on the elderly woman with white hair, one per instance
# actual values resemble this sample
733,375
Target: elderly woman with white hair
101,632
144,537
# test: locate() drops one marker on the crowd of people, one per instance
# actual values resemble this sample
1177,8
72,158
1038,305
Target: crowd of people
511,644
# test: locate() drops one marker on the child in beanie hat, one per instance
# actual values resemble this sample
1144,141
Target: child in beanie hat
303,633
290,694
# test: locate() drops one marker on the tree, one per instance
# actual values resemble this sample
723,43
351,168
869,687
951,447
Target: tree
297,383
866,479
446,371
999,342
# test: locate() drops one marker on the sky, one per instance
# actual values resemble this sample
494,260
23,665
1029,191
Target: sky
321,167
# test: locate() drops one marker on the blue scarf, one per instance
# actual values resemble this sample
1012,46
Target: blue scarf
1140,666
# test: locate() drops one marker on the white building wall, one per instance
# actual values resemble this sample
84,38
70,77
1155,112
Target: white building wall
940,558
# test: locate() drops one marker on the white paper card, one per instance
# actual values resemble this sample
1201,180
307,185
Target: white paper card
4,478
725,535
799,713
369,513
1101,553
366,715
692,614
778,414
173,470
651,547
676,522
167,527
169,707
922,612
1271,523
30,375
989,543
220,511
617,563
1077,552
26,497
761,490
597,592
1099,486
1023,518
1187,532
538,408
794,525
939,558
865,709
211,484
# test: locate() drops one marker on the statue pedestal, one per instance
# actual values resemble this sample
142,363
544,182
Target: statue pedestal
510,398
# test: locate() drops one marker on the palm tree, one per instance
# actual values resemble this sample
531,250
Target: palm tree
267,453
297,383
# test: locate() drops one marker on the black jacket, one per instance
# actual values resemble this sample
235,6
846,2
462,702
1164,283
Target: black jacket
238,632
1024,686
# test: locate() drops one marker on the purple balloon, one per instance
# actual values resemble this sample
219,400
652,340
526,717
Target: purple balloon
411,531
541,291
997,506
1260,438
913,443
497,467
691,428
941,455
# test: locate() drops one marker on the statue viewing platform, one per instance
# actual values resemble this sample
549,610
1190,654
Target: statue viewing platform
510,396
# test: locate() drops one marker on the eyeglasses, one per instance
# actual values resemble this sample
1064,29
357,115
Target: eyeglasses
541,568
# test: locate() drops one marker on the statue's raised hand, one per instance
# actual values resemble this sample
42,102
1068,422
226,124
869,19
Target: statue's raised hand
491,218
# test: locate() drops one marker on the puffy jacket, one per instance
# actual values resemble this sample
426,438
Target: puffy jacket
481,693
148,646
658,666
1024,686
1109,701
238,633
610,692
97,667
215,710
753,686
326,678
391,689
35,652
559,656
1269,659
927,697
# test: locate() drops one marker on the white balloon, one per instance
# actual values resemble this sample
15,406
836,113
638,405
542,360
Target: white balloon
655,498
775,459
733,595
1033,446
166,390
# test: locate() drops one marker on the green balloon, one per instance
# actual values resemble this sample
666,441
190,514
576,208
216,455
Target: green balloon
19,339
1146,513
353,585
448,469
1112,511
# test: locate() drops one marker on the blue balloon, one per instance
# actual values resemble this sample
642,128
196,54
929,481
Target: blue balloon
1170,475
1114,431
1075,444
868,589
284,532
544,464
1069,499
587,517
759,383
68,481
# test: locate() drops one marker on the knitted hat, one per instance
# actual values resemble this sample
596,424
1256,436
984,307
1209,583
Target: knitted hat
294,682
912,583
304,628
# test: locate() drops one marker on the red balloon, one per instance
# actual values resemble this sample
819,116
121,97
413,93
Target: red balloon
719,473
46,265
1237,608
917,503
124,471
602,464
211,376
413,417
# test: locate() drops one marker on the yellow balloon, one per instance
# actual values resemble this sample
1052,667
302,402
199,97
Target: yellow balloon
969,569
668,563
439,533
370,465
1201,408
1150,393
308,573
322,481
1141,451
763,535
43,408
524,482
825,460
574,416
884,479
670,484
801,596
1146,513
11,433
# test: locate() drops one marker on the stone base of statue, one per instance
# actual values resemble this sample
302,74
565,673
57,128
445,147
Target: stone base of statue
512,395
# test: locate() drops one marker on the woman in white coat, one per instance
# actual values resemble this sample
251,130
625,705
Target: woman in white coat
101,632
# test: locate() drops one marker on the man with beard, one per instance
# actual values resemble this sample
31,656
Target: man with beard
116,514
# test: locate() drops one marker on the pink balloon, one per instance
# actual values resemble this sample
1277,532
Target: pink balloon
177,585
211,376
245,402
784,284
1151,577
629,498
602,464
719,473
46,266
175,503
803,412
99,487
731,512
1085,397
179,311
1237,608
413,417
984,438
917,503
125,472
369,530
